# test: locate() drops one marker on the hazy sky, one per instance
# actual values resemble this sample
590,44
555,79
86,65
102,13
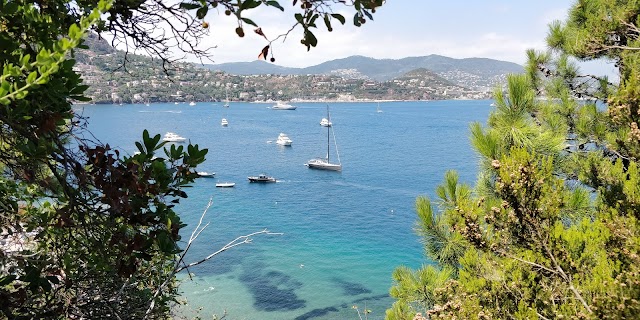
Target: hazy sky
498,29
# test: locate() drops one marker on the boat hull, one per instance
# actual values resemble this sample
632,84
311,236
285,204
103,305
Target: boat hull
284,108
256,180
261,179
225,185
323,165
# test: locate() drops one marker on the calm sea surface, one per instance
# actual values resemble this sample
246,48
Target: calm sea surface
342,233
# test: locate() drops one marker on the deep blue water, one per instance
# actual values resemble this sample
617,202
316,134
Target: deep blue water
342,233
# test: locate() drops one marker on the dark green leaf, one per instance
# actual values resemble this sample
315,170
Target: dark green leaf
366,13
202,12
189,6
356,20
339,17
311,38
249,21
327,22
6,280
249,4
275,4
140,147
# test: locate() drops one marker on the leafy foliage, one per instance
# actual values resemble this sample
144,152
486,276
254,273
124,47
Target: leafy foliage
551,228
86,232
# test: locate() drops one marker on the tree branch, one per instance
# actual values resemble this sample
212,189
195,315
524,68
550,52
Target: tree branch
194,235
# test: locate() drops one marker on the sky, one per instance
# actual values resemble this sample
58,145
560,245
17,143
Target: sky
497,29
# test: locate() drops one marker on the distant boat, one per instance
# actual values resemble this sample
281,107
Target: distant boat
192,103
225,184
205,174
173,137
284,140
378,110
493,104
175,102
262,178
325,122
283,106
224,122
325,164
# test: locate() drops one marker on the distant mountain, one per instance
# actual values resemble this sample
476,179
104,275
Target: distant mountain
251,68
427,76
484,69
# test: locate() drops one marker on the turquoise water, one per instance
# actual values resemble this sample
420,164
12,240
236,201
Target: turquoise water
342,233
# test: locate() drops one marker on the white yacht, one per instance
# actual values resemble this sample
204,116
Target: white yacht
325,122
192,103
173,137
205,174
284,140
224,122
283,106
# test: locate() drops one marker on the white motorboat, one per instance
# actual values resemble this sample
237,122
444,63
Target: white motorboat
224,122
192,103
225,184
205,174
325,163
263,178
283,106
325,122
284,140
173,137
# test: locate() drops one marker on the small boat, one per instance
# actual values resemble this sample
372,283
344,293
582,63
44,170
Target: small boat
205,174
175,103
173,137
325,122
284,140
224,122
325,163
262,178
192,103
225,184
283,106
378,110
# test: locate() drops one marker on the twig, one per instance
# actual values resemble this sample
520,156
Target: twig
236,242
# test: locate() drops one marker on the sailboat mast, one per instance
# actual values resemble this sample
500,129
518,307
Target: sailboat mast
328,128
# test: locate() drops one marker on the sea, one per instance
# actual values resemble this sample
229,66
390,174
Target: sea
335,237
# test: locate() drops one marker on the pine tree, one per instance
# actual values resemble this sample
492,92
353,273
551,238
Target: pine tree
550,229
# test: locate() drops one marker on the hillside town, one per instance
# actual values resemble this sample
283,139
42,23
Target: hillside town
139,79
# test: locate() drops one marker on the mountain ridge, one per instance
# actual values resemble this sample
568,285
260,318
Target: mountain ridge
383,69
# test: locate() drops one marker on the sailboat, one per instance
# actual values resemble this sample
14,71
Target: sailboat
378,110
325,163
226,102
